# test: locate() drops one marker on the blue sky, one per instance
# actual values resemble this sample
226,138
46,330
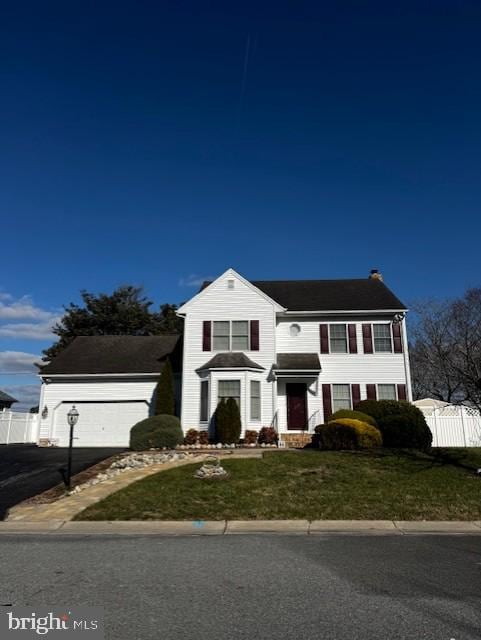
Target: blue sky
158,143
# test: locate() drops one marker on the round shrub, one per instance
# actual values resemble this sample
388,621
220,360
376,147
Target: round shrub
156,432
191,436
204,437
347,434
355,415
250,436
416,435
268,435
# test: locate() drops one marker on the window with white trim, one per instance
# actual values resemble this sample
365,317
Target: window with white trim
229,389
230,335
341,397
382,338
338,338
255,400
386,392
204,400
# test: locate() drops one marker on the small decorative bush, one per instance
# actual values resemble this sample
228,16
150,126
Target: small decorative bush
347,434
355,415
250,437
191,436
268,435
203,437
156,432
417,434
227,422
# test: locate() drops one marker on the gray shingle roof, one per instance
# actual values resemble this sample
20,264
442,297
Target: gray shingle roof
116,354
298,361
362,294
230,361
4,397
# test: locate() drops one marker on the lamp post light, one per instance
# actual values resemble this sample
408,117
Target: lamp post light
72,418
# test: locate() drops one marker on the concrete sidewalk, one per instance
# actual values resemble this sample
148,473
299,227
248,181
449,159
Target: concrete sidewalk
242,527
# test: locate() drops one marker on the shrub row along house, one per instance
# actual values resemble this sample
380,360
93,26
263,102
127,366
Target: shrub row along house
289,352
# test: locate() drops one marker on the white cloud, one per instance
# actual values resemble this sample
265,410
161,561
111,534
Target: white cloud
18,362
28,395
194,280
23,319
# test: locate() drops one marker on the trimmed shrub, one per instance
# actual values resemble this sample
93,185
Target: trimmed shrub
165,396
203,437
227,422
347,434
417,434
250,437
400,432
354,415
267,435
191,436
156,432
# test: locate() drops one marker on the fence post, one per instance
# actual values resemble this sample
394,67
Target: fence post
436,425
462,422
9,426
27,424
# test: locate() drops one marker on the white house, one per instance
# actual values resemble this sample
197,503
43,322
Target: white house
291,352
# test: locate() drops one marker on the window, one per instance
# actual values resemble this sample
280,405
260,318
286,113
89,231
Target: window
255,400
386,392
204,401
231,336
294,330
341,396
382,338
229,389
338,338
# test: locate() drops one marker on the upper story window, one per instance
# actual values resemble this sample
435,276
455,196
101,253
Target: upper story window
231,335
382,338
338,338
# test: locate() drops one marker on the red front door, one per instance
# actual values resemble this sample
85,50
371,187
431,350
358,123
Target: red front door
296,406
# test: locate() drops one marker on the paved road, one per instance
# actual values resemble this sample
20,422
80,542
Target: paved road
255,587
26,470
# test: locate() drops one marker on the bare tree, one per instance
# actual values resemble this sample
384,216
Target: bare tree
446,349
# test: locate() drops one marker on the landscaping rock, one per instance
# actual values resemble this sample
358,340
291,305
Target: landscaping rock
211,470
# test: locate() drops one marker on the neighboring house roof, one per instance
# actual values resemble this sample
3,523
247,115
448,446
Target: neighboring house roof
116,354
362,294
4,398
232,360
430,402
298,362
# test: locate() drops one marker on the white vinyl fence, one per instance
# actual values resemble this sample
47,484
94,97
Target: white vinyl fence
454,425
16,428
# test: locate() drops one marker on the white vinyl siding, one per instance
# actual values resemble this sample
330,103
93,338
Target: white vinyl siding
338,338
386,392
341,397
229,389
382,338
255,400
204,401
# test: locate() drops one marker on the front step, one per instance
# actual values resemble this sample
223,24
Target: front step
296,440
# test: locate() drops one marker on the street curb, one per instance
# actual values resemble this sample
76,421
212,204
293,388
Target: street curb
241,527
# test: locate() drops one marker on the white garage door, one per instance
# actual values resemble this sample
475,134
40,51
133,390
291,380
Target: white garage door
100,424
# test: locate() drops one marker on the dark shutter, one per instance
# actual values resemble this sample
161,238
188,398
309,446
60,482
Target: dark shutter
401,392
367,338
397,340
206,335
371,392
254,335
356,395
324,333
326,401
351,329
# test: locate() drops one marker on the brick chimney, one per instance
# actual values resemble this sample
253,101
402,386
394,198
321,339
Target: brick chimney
376,275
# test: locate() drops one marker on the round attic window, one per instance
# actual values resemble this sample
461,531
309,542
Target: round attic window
294,329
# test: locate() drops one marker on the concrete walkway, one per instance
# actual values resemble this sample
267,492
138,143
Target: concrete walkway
242,527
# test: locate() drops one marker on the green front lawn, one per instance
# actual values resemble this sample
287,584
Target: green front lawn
308,485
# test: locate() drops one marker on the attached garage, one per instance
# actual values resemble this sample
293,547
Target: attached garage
111,380
100,424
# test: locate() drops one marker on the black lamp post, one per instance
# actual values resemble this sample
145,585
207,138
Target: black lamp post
72,417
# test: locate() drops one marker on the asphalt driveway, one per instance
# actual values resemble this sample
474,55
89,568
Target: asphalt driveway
26,470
